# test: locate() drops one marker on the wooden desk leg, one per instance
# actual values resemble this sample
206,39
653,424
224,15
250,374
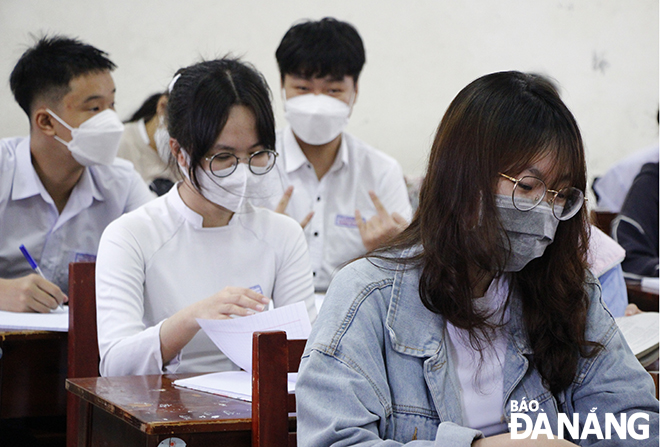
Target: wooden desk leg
78,422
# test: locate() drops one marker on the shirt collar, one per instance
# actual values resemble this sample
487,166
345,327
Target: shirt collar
293,154
174,199
26,182
197,220
414,330
342,155
295,158
87,183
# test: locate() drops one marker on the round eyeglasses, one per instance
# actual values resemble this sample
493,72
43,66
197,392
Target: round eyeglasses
529,191
223,164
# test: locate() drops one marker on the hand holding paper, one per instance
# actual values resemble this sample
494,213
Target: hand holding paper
234,337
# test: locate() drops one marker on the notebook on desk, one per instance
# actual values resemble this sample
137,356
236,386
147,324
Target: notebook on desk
234,384
642,334
57,320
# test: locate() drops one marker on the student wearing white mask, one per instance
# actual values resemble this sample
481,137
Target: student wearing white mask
201,250
348,196
61,186
146,144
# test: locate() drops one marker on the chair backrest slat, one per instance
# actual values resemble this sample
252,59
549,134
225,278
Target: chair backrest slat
273,356
83,347
83,355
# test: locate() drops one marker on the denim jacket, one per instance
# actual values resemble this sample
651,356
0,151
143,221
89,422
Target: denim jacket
376,370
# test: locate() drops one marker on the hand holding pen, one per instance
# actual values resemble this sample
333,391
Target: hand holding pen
31,293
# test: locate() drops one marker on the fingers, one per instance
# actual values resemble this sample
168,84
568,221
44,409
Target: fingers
237,301
399,219
632,309
307,218
29,294
380,208
284,201
52,290
362,225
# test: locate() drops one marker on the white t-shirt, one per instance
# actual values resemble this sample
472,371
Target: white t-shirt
29,216
159,259
481,379
332,234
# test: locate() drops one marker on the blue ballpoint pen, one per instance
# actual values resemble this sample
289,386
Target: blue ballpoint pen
33,264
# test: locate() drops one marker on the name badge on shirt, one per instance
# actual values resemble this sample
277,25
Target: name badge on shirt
83,257
346,221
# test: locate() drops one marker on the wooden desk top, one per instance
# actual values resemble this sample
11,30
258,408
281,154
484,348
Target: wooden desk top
7,334
153,405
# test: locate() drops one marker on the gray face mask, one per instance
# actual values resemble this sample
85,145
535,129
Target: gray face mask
529,232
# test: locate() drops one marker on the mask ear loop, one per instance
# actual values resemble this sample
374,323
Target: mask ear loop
284,98
351,102
61,121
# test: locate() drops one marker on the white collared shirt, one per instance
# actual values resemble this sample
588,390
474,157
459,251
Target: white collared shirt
29,216
160,259
332,234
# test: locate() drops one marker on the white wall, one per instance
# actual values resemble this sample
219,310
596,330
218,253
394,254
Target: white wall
420,53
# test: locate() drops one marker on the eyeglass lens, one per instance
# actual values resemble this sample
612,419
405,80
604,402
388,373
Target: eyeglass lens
530,191
224,163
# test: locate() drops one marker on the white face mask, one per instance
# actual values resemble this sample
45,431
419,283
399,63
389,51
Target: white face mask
228,192
529,232
96,141
162,140
316,119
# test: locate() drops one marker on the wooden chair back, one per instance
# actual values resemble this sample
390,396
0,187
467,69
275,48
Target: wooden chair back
603,220
83,348
273,356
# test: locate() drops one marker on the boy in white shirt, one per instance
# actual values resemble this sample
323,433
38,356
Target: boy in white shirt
349,197
60,186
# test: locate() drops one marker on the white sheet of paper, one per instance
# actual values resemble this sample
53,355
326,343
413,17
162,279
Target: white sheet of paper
236,384
641,331
234,336
57,320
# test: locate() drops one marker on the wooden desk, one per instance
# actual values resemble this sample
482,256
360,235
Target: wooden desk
145,410
32,374
645,300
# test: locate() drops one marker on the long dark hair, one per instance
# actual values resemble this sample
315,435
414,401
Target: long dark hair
147,110
502,122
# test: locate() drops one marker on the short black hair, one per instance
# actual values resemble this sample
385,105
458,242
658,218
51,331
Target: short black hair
318,49
47,68
202,98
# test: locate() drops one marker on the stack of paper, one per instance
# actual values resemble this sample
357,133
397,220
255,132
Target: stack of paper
234,338
57,320
642,334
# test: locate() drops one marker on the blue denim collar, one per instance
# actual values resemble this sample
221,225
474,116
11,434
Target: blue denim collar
414,330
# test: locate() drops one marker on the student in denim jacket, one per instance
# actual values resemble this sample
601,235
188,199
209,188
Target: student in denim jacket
484,302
